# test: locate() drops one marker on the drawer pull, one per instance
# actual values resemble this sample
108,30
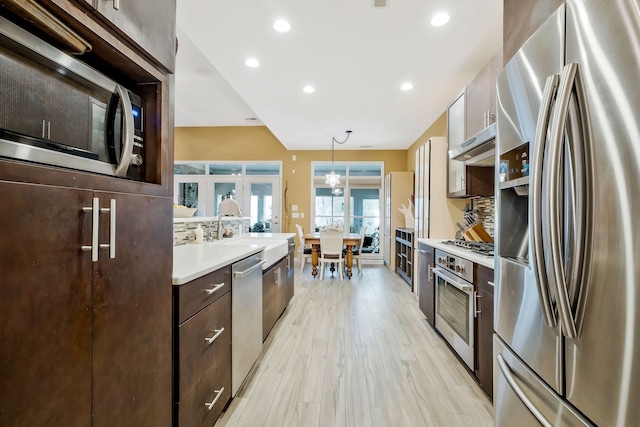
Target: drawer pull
211,404
214,289
213,338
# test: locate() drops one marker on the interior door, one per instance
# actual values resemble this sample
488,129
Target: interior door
221,187
262,202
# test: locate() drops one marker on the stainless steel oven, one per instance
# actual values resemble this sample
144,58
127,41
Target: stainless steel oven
56,110
455,298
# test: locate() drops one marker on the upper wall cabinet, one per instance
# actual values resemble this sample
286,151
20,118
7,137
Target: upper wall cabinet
521,19
149,24
481,97
456,134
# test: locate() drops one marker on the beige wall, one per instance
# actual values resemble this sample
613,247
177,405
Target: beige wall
258,143
438,128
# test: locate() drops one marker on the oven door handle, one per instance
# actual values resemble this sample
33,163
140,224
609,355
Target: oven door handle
464,287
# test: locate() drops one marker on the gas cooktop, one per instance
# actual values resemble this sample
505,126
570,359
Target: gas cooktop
482,248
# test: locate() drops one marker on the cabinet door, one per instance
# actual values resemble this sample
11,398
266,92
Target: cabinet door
426,295
280,288
268,301
456,134
478,101
484,341
45,325
290,283
148,23
132,314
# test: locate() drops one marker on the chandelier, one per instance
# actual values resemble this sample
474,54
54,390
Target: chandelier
333,178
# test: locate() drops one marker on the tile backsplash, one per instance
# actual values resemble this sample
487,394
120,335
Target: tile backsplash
184,229
485,208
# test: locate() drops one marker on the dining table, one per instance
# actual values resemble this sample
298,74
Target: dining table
349,239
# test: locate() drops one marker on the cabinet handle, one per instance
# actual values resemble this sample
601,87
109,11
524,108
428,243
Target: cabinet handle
112,228
44,127
490,282
429,273
211,404
116,4
477,310
48,130
214,289
95,210
210,340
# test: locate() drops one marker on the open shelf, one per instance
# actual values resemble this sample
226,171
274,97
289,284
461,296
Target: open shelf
404,254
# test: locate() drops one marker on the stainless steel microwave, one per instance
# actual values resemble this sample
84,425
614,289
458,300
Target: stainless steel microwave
56,110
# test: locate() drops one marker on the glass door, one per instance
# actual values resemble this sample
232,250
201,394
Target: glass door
262,202
189,187
226,187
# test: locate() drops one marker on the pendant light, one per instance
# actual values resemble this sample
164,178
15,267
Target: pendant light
333,178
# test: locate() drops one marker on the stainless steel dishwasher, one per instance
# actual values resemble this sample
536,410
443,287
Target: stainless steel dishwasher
246,317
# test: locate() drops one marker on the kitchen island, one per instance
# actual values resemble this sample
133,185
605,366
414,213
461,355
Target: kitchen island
219,306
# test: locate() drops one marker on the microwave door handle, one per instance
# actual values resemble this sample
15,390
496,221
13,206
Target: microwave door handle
555,203
127,136
535,188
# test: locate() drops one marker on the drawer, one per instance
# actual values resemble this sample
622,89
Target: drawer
197,294
195,354
192,409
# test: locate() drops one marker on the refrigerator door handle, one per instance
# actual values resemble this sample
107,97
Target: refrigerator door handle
508,375
555,203
535,189
579,145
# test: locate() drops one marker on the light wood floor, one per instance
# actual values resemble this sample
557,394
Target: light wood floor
356,353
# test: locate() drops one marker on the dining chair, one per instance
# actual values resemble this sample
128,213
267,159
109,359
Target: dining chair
358,252
304,252
331,240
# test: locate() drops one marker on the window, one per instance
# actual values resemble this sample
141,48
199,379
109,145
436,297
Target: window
362,183
256,186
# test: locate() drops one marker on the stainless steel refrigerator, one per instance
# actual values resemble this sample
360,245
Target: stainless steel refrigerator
567,343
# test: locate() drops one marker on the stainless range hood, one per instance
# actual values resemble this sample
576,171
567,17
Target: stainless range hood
479,150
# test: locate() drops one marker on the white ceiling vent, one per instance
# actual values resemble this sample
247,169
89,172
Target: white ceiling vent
380,3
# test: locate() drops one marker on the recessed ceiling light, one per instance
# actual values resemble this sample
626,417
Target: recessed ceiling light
252,62
406,86
308,89
281,26
440,19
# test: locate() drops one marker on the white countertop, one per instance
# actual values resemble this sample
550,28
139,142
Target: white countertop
192,260
484,260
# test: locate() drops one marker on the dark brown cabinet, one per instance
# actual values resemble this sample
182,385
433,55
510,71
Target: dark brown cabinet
426,291
484,328
91,335
289,285
404,254
202,336
277,290
46,306
273,295
149,24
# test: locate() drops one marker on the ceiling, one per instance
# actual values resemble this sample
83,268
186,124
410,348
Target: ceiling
355,55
